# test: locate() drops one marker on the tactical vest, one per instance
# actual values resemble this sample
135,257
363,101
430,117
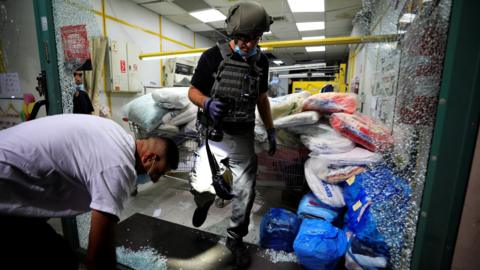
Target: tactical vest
237,85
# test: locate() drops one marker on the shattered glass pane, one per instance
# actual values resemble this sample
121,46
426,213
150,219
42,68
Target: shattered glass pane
145,258
71,13
399,85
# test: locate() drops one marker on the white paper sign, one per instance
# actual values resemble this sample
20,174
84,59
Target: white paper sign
9,85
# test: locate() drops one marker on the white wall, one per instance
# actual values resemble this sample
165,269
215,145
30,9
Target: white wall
131,13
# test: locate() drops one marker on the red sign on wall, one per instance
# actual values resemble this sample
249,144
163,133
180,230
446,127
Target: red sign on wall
75,43
123,66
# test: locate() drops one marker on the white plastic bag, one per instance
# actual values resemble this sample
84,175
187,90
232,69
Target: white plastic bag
180,117
144,112
316,169
323,139
358,156
287,105
172,97
296,119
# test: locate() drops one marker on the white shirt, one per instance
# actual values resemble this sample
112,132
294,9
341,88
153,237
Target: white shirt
65,165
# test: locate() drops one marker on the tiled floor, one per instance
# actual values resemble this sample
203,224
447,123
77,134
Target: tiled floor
171,200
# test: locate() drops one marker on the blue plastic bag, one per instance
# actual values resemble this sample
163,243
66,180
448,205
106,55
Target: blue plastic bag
377,202
311,207
278,229
319,245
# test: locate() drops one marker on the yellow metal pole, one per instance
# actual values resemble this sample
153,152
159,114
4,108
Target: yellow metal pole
104,73
293,43
162,75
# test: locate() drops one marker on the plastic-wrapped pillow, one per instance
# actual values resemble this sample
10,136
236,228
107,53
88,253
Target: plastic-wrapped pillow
278,229
311,207
144,112
331,103
315,171
356,157
296,119
180,117
287,105
325,140
172,97
367,132
319,245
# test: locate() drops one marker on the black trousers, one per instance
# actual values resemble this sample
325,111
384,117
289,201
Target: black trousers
31,243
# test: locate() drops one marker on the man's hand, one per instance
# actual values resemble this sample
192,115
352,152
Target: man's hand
214,108
101,248
272,141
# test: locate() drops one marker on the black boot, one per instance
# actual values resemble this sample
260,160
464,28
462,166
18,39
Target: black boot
221,203
200,214
241,256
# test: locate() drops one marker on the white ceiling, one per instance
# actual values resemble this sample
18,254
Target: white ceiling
338,17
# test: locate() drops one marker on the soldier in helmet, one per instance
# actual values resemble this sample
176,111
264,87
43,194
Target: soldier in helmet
230,81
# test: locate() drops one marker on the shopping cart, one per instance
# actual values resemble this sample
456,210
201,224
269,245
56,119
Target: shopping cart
284,170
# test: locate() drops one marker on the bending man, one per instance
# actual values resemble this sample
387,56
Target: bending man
62,166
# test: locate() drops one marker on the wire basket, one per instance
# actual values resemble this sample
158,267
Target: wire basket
285,170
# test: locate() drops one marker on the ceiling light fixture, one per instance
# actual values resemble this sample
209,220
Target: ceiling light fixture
310,38
315,48
186,55
208,15
407,18
307,5
304,75
309,26
277,62
267,33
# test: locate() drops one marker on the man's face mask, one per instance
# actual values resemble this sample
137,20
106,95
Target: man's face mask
252,52
80,87
145,177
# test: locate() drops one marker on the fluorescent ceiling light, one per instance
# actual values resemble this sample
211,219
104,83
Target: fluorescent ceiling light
315,48
303,75
407,18
185,55
307,5
267,33
308,26
309,38
401,31
209,15
265,48
298,67
277,62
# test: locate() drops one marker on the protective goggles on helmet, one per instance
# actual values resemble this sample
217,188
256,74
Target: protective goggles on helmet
246,38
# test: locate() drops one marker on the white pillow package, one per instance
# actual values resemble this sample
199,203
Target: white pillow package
144,112
316,169
356,157
172,97
180,117
296,119
325,140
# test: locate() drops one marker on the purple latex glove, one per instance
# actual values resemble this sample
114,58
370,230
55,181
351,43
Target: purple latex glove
272,142
214,108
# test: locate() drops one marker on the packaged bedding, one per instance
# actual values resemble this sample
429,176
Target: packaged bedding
367,132
172,97
144,112
331,103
